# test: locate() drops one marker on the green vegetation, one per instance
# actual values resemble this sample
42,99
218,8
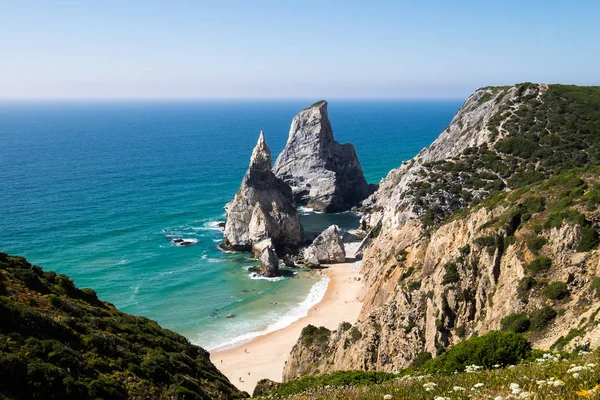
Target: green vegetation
335,379
589,239
596,286
545,136
542,317
518,323
536,243
539,265
421,359
493,348
555,290
311,334
451,275
60,342
535,379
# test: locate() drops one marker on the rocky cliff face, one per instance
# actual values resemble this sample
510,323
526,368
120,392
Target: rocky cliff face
463,241
323,173
263,208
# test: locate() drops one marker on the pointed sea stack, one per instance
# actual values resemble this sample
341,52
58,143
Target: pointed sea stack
324,174
263,208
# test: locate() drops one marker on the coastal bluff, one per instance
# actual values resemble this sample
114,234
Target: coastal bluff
324,174
263,208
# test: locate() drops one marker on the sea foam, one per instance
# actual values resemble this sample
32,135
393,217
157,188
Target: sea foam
301,310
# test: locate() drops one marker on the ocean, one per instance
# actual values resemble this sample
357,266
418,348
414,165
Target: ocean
97,190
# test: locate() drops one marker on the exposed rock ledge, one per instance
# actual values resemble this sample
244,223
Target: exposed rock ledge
263,208
323,173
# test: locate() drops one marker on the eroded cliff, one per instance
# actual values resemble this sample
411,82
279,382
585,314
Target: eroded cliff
483,230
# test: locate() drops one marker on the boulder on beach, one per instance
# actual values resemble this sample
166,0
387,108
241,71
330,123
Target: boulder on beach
269,263
327,248
263,208
324,174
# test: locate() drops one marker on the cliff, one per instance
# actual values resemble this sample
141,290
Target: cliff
324,174
494,226
263,208
61,342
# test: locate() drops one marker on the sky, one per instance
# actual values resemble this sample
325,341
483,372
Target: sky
291,49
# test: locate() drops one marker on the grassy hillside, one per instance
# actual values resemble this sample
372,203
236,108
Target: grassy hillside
498,365
60,342
533,137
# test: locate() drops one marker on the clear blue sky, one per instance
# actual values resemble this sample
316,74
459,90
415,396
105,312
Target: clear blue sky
291,49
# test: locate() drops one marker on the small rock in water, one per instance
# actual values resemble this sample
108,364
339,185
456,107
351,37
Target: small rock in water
183,242
230,315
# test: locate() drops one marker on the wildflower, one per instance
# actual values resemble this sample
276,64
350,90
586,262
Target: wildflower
458,389
442,398
477,385
541,383
387,397
525,395
498,398
576,375
429,386
514,387
558,382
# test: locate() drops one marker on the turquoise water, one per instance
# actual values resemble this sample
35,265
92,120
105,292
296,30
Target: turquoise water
96,189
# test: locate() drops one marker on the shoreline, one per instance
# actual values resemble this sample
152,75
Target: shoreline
265,356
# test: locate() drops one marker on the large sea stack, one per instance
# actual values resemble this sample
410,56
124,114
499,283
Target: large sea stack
263,208
324,174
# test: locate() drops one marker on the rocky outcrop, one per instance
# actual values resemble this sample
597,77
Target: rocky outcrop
263,208
269,263
324,174
431,283
327,248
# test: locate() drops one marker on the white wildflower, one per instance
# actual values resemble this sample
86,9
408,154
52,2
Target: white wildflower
458,389
576,375
429,386
387,397
525,395
514,387
558,382
477,385
498,398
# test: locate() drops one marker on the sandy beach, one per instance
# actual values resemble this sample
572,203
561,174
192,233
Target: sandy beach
265,356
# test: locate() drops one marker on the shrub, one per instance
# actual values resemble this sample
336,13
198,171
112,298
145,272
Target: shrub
539,265
536,243
493,348
556,290
542,317
589,239
596,286
311,334
515,323
405,274
420,359
485,241
534,204
451,275
414,285
344,326
525,285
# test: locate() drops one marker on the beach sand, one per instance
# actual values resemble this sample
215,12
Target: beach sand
265,356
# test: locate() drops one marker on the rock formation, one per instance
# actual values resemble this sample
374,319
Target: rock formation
462,236
269,263
324,174
263,208
327,248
